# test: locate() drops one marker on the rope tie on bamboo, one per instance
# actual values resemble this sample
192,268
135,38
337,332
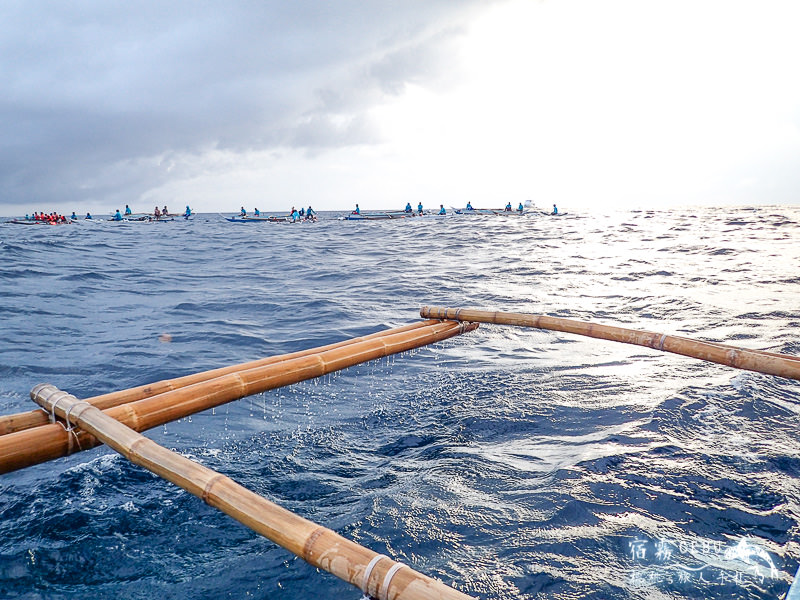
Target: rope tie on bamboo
70,428
53,407
388,579
661,342
367,572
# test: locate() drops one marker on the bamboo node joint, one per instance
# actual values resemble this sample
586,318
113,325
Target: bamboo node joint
311,541
209,485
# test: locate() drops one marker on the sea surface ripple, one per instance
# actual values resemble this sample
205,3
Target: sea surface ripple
509,463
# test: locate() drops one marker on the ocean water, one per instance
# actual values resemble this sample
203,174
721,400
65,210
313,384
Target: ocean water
509,463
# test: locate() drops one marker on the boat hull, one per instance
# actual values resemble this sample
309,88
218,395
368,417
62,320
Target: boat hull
486,211
270,219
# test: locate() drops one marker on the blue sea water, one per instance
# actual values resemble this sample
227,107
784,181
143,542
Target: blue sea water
509,463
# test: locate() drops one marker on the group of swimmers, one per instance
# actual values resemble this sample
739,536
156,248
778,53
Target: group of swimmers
295,215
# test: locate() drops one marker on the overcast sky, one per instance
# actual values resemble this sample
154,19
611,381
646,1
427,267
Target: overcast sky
585,103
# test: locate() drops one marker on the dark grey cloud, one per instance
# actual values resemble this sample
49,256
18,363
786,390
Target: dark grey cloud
98,95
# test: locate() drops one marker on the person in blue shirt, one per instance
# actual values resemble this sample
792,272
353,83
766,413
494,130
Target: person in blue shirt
508,207
442,210
88,216
74,217
242,212
469,205
310,214
408,207
117,216
520,208
555,210
302,211
295,215
357,211
257,212
419,208
188,212
128,210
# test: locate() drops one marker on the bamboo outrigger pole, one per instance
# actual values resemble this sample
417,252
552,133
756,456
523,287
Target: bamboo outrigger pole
782,365
40,444
376,575
35,418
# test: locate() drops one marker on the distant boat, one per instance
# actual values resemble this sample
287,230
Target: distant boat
145,219
485,211
375,216
269,219
34,222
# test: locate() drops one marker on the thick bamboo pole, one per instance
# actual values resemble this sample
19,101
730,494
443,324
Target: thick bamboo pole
319,546
35,418
39,444
771,363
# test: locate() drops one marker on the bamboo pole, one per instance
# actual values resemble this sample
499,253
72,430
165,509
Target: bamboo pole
381,578
770,363
39,444
35,418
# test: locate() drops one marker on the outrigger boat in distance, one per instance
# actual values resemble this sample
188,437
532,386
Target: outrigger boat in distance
270,219
485,211
375,216
147,219
34,222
